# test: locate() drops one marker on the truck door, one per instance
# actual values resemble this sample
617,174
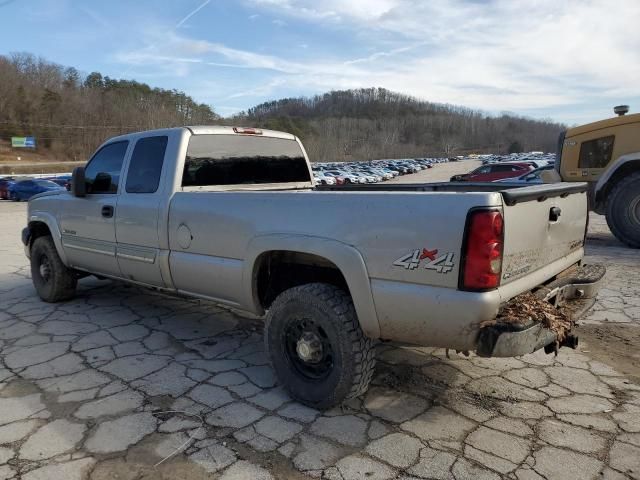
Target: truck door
88,223
138,212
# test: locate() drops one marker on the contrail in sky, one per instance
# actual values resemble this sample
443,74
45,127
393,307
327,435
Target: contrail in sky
204,4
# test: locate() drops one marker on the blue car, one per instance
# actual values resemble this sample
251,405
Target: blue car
26,189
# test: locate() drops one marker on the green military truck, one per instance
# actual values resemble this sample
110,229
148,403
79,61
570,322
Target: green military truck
607,155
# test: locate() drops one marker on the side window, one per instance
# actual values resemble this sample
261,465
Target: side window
146,165
102,173
482,170
596,153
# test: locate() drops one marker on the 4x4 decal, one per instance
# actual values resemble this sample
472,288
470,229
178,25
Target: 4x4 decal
411,261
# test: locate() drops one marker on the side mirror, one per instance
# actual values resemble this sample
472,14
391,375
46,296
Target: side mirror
78,183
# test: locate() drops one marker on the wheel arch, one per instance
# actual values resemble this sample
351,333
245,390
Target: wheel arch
42,223
623,166
321,252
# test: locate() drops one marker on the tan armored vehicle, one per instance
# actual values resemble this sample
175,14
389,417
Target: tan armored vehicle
607,155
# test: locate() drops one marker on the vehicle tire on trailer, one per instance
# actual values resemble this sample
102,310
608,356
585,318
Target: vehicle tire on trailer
316,345
623,210
54,282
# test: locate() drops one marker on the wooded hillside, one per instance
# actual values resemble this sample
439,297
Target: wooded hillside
71,114
376,123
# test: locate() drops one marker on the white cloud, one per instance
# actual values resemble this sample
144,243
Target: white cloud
511,54
518,55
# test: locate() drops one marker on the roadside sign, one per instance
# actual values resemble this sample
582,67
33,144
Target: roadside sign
23,142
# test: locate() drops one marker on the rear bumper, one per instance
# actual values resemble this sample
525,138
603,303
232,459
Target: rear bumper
575,291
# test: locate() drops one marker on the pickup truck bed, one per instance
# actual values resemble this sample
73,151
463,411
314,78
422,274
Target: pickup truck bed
233,216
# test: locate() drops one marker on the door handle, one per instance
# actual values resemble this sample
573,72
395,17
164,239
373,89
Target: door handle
107,211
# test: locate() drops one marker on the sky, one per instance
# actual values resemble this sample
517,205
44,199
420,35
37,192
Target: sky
566,60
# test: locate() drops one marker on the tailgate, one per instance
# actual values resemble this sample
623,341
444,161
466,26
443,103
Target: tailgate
543,223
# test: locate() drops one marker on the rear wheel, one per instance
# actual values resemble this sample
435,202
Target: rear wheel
316,345
623,210
54,282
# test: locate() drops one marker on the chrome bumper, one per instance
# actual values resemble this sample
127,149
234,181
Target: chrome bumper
576,290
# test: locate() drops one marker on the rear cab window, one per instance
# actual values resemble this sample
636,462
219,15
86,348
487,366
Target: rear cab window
226,160
146,163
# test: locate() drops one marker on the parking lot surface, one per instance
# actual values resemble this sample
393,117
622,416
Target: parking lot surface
125,383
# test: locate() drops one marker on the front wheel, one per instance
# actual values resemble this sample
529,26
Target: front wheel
54,282
316,345
623,210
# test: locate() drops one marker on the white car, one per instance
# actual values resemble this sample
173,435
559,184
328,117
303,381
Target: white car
322,179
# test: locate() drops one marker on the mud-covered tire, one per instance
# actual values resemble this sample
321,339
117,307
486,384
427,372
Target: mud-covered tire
328,311
53,281
623,210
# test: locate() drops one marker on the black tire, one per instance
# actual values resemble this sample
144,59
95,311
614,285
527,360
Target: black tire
327,312
54,282
623,210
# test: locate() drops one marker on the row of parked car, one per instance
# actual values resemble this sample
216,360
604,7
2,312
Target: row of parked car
518,157
19,188
534,167
345,173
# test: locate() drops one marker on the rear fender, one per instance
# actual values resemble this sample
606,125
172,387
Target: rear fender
345,257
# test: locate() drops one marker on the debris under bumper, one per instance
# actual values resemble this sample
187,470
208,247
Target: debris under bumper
542,318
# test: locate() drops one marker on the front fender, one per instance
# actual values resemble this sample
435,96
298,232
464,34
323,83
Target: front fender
345,257
50,221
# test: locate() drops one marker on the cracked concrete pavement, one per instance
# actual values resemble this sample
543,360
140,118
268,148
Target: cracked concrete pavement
126,383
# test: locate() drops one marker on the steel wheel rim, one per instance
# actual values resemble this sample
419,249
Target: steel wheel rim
307,331
45,268
634,208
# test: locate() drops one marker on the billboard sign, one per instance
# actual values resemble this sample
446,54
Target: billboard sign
23,142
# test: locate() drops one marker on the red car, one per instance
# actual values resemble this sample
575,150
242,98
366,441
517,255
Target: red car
494,171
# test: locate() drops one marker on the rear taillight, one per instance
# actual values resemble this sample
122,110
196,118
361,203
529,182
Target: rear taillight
483,250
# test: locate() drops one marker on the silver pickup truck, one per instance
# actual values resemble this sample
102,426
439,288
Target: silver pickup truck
232,215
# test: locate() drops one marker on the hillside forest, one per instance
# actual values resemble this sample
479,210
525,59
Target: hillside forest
71,113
